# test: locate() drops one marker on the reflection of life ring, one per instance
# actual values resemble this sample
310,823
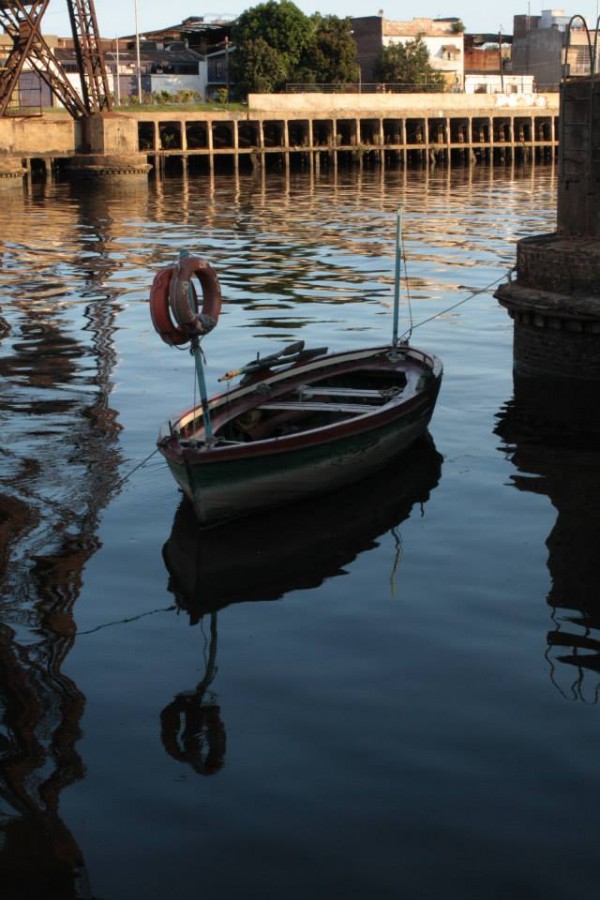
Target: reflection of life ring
174,302
192,731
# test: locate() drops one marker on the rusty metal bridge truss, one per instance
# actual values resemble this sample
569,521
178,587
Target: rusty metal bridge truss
30,51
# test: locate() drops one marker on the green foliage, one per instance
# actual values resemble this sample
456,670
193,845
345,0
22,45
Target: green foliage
330,56
281,25
165,98
276,43
257,68
407,64
187,96
134,100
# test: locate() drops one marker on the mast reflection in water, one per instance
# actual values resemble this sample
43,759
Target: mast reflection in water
566,469
278,552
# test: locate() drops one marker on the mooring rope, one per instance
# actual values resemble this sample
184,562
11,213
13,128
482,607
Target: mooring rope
128,620
136,467
444,312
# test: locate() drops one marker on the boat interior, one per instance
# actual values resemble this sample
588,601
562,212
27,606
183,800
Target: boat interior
314,405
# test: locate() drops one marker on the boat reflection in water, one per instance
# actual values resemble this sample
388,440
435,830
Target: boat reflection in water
264,558
567,466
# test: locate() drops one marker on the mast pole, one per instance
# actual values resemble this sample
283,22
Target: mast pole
196,351
197,354
397,277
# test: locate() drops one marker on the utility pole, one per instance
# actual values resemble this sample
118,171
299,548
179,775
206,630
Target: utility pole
137,53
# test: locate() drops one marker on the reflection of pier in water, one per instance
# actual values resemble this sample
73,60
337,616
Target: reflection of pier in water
60,462
267,556
567,467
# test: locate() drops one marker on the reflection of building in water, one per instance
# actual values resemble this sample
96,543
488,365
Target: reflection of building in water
567,467
60,462
41,709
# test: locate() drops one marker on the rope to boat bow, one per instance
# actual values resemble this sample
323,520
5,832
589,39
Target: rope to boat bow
448,309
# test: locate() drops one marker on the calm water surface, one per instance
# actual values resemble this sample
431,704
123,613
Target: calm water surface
389,693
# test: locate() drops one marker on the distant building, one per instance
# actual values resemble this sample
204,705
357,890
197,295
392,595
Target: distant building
173,60
218,81
488,68
540,48
442,37
176,58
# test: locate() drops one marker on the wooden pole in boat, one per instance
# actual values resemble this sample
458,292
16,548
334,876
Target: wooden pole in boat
197,354
397,277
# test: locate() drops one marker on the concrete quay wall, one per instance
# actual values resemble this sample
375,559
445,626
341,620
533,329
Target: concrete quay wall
44,136
403,104
355,128
305,127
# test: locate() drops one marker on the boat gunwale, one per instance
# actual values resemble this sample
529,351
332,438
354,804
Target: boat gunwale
395,408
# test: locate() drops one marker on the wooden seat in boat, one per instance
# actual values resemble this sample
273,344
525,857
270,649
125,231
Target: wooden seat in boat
316,406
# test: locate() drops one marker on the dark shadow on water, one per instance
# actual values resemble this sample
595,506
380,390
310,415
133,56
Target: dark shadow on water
268,556
565,467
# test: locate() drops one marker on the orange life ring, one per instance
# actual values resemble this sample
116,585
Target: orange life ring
183,300
174,305
170,332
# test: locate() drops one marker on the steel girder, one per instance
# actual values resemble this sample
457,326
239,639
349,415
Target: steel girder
22,22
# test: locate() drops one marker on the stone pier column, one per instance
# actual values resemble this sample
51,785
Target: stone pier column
555,299
579,159
113,153
12,171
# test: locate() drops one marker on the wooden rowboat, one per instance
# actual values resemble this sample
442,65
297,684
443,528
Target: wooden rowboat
312,428
300,423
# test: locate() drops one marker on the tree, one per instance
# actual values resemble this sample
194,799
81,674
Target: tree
257,68
281,25
275,42
407,64
330,55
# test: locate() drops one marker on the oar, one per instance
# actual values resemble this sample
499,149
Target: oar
302,356
265,361
287,360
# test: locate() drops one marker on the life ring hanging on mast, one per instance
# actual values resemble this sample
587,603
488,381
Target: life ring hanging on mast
174,307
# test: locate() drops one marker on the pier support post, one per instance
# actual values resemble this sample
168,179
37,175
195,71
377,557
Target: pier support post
113,155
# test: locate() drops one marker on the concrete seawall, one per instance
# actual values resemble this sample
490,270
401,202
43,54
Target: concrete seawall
307,129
